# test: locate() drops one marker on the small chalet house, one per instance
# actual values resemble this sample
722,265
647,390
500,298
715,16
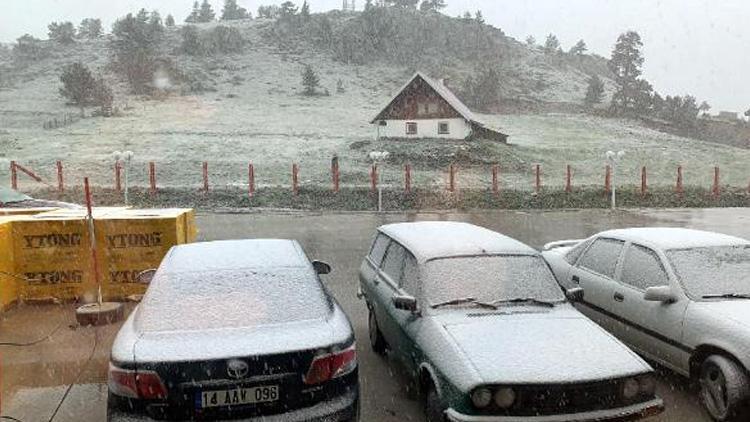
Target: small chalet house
426,108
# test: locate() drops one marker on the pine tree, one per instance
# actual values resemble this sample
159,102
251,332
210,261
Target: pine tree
90,28
287,10
531,41
579,49
594,92
551,44
78,85
193,17
625,64
206,13
63,32
310,80
305,11
232,11
479,18
169,21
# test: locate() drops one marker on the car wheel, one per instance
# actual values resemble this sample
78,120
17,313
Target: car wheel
433,407
376,337
723,389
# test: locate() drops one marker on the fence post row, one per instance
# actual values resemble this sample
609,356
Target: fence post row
250,180
407,178
152,177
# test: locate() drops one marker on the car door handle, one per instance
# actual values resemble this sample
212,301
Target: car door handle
575,279
619,297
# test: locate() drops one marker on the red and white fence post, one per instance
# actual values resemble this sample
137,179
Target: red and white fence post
205,177
407,178
250,180
537,178
60,180
13,176
295,179
568,181
495,181
451,178
118,180
335,175
679,187
152,177
716,189
608,179
644,181
374,178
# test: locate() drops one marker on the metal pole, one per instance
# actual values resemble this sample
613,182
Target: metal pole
92,238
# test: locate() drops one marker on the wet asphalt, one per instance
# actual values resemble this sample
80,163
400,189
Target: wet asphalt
34,379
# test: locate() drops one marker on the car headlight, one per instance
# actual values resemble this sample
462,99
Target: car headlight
647,385
630,388
481,397
505,397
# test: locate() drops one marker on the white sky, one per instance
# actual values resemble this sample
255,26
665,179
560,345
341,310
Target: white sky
701,47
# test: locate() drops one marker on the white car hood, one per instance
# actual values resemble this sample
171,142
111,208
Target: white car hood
175,346
560,346
737,310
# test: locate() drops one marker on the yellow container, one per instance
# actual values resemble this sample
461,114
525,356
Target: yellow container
8,281
53,254
131,241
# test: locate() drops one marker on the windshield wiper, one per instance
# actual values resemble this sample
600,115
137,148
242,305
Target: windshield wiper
463,301
727,296
524,300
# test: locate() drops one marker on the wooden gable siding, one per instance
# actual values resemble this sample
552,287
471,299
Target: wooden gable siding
418,101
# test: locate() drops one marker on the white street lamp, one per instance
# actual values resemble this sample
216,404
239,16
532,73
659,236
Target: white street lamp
126,156
377,157
613,158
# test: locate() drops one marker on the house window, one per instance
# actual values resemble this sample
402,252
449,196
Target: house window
443,128
411,128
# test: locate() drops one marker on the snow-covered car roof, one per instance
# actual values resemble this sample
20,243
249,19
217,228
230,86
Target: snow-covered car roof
235,254
441,239
674,238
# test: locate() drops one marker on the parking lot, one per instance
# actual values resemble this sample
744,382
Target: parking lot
35,377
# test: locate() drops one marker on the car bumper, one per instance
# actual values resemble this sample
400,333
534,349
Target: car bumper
341,409
633,412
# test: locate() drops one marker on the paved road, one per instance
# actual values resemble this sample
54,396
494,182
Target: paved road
34,379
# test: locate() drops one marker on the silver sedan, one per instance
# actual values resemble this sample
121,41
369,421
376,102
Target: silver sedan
678,297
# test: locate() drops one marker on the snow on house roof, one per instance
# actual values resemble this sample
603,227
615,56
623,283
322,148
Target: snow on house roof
444,92
674,238
442,239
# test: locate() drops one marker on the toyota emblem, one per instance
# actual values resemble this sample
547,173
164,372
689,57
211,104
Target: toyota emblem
237,369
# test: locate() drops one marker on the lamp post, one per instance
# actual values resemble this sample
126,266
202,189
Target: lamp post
126,156
613,158
377,157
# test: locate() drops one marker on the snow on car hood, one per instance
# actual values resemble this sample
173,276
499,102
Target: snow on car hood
736,310
559,346
176,346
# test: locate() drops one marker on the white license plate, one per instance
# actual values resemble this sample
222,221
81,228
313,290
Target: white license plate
238,396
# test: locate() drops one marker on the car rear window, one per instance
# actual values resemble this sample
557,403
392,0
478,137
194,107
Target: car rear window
231,299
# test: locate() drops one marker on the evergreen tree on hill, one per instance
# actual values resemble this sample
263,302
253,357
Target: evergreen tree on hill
206,12
63,32
169,21
594,92
193,16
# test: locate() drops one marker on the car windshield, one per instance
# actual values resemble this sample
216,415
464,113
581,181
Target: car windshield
490,279
713,271
230,299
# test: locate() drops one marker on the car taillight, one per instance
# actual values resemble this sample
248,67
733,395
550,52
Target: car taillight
135,384
332,365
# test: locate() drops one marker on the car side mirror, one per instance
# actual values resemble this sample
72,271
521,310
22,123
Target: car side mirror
321,267
145,277
405,303
659,294
574,294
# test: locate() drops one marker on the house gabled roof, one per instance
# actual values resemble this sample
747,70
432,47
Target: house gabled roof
444,93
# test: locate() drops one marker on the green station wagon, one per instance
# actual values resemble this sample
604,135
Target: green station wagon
487,334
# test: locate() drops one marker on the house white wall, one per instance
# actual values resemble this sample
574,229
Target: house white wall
426,128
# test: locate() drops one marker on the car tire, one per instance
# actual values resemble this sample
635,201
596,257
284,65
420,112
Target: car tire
377,341
434,410
724,388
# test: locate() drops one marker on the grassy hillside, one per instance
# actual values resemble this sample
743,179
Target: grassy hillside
246,107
